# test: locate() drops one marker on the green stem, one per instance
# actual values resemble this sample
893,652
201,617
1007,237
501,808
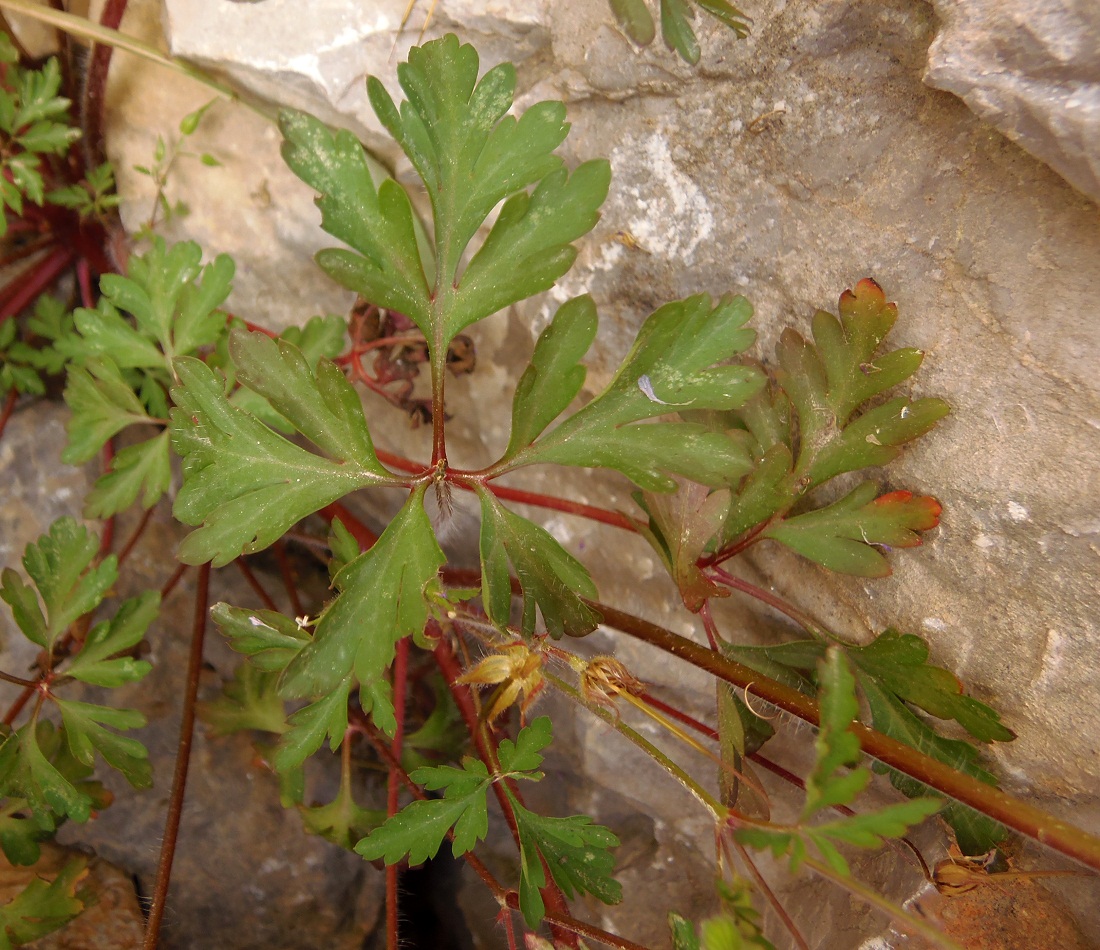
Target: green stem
872,897
1018,815
716,808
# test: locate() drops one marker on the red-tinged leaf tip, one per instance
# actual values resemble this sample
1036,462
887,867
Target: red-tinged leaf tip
868,295
921,512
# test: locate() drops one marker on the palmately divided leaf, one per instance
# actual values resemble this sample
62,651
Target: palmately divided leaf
42,906
309,726
342,821
381,601
671,368
244,483
324,406
86,729
144,469
270,639
836,746
841,535
554,376
419,829
530,245
551,579
102,405
250,700
93,664
456,132
59,564
974,832
899,663
575,850
376,221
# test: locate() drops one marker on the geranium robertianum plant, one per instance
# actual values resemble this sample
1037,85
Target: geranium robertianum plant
727,452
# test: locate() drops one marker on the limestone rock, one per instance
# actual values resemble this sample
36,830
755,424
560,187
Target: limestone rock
1032,70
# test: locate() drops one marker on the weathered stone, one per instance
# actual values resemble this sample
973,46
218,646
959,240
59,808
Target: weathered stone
1033,71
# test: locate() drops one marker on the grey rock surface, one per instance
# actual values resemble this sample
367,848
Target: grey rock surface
1032,70
786,167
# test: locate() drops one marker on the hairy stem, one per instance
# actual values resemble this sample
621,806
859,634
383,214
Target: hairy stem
1018,815
183,762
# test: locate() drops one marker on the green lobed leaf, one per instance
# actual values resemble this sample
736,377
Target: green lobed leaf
554,377
418,830
323,406
671,368
974,832
144,468
86,729
551,579
270,639
309,726
59,564
836,746
250,700
342,821
841,536
523,755
93,664
102,405
106,333
382,600
245,484
530,244
899,664
575,851
376,221
456,132
26,771
42,906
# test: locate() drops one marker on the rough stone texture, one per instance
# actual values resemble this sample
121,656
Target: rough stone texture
786,167
1033,71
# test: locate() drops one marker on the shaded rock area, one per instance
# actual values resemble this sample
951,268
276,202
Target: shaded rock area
786,167
1033,71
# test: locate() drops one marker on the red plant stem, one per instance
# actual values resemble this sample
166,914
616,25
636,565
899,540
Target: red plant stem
254,583
673,713
9,408
183,762
448,665
95,88
804,620
614,518
769,896
737,547
289,584
1018,815
84,279
132,541
711,628
505,897
44,273
400,681
466,480
169,585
